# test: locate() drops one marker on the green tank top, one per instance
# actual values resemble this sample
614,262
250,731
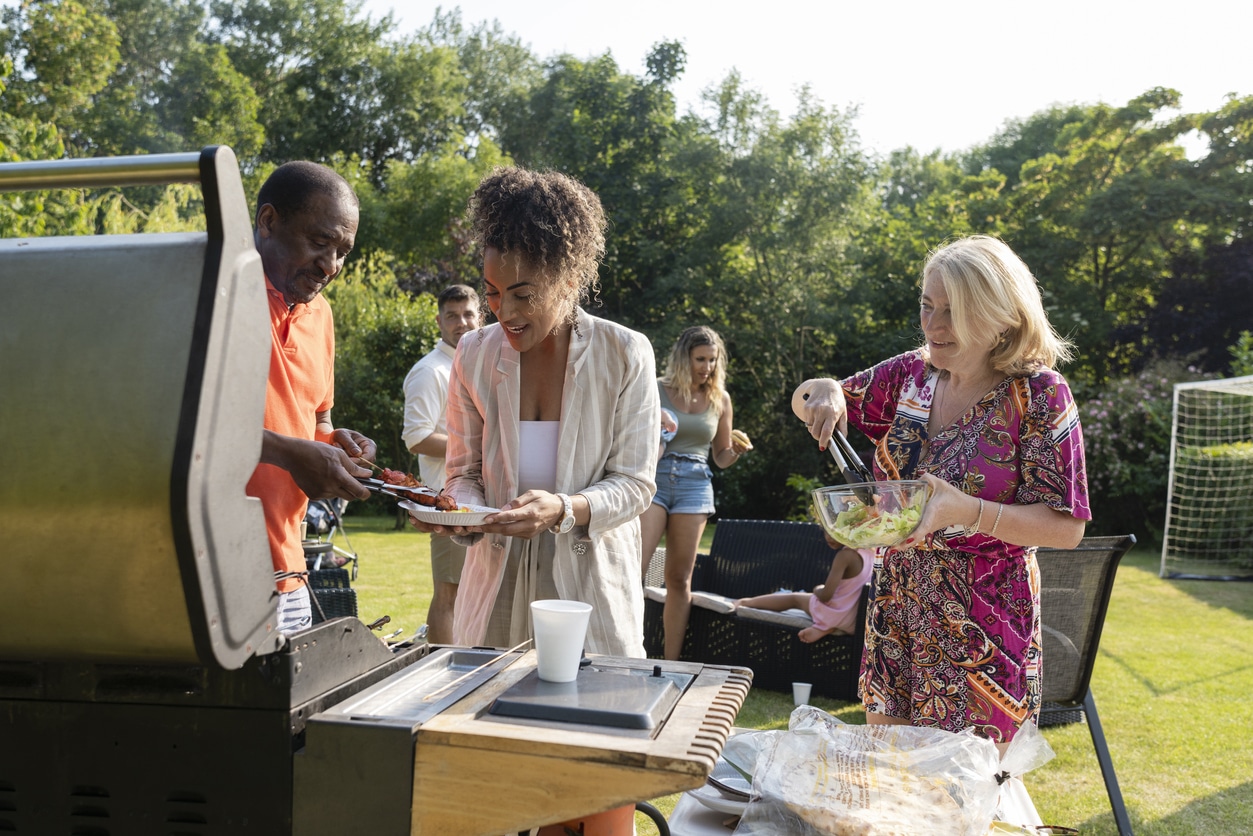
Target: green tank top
696,430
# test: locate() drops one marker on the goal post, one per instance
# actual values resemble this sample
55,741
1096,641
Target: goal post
1209,509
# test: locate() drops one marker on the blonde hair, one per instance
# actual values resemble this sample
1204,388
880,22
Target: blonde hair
678,375
991,289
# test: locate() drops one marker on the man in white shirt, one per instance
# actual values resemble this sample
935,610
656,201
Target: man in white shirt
425,433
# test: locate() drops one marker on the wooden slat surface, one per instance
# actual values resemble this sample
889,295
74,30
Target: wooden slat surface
476,773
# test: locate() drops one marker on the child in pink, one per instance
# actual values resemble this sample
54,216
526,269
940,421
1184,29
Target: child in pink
832,605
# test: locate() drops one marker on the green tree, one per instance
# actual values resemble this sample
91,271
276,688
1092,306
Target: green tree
63,54
418,217
1225,173
129,76
380,332
1099,219
795,196
923,201
1242,355
498,70
618,133
36,213
332,83
205,101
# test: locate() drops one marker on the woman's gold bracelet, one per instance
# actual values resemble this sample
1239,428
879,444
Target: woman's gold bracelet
999,508
973,528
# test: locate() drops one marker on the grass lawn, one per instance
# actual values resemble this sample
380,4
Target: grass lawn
1173,684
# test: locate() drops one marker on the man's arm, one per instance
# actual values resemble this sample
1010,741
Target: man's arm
424,407
435,445
325,467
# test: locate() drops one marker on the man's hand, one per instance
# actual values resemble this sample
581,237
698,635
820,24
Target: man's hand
356,445
320,470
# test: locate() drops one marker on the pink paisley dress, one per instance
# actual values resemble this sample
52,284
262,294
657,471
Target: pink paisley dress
953,635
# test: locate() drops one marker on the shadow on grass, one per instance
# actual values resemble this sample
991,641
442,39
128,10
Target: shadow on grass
1225,812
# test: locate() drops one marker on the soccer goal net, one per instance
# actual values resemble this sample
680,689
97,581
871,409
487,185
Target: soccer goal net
1209,512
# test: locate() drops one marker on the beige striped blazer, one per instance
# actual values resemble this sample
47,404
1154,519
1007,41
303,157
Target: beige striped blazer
608,446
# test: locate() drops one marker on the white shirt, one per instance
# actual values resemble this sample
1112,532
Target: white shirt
426,407
537,468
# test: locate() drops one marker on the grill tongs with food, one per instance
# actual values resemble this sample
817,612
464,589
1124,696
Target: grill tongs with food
851,467
410,488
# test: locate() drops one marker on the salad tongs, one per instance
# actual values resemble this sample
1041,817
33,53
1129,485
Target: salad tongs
851,467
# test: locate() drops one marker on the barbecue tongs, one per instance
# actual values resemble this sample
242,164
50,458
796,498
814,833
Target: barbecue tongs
376,485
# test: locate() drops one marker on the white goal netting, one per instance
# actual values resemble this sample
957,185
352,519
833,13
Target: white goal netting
1209,510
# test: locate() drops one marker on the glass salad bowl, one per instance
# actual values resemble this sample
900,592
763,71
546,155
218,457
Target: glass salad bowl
870,514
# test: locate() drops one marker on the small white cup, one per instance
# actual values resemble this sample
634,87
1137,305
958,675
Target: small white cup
560,627
800,692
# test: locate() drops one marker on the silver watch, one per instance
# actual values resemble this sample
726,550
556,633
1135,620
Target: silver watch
567,518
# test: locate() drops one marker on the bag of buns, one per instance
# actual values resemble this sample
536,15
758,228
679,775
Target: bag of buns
824,777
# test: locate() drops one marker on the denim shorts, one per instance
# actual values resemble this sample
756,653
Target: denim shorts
683,484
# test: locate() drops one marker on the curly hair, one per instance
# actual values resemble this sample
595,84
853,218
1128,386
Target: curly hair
678,375
551,222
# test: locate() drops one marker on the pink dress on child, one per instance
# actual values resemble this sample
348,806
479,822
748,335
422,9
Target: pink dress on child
840,613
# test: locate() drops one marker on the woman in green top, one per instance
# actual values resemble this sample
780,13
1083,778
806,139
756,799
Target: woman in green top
693,387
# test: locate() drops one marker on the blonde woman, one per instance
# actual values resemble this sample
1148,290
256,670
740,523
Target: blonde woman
694,389
979,413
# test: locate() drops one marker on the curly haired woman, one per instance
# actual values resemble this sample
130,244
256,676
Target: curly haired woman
552,418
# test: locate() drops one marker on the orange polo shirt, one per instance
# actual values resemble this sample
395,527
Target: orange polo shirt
301,384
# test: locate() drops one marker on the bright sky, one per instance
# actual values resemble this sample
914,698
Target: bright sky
922,73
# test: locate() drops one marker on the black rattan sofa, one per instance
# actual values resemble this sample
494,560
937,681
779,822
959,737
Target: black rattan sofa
752,557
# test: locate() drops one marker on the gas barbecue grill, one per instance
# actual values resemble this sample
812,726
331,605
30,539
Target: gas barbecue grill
143,687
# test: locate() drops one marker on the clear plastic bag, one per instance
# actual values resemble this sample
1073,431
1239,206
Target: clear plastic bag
824,777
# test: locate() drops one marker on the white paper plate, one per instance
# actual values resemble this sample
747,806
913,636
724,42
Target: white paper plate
427,514
715,800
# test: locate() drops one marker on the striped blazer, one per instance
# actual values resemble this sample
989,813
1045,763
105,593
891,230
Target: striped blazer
607,452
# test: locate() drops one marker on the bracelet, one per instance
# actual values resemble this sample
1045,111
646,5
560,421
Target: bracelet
968,530
999,508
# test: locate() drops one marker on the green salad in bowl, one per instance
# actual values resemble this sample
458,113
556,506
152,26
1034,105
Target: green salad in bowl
871,514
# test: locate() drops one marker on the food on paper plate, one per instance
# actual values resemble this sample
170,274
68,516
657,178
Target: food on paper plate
399,481
741,437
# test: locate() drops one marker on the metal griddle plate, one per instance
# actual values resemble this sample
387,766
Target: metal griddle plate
416,694
618,697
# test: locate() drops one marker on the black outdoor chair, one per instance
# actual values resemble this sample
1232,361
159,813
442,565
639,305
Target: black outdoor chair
333,595
1075,587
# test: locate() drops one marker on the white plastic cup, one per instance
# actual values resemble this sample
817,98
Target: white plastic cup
800,692
560,627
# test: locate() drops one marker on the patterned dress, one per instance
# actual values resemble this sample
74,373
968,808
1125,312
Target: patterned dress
953,636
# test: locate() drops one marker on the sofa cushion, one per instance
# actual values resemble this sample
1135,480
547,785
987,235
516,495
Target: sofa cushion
788,618
704,600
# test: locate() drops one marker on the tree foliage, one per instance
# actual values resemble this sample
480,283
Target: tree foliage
777,229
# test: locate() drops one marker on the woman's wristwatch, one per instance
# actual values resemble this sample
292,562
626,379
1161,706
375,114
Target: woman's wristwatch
566,522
